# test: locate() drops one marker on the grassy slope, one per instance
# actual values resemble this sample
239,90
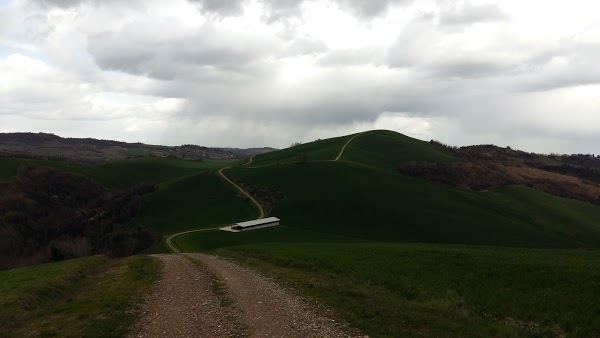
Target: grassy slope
384,149
208,240
190,195
192,202
422,289
120,173
351,200
414,290
315,151
81,297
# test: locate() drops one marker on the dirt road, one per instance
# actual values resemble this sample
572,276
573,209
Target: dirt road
184,304
337,158
261,211
187,302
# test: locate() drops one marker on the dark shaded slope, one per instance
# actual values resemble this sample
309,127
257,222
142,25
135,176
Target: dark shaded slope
386,149
350,200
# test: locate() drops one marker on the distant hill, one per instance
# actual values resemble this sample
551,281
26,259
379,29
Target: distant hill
94,151
483,167
367,195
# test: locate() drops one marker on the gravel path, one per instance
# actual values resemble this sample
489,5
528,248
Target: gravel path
267,309
184,303
216,298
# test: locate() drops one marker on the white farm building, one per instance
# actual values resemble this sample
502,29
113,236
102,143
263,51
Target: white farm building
256,224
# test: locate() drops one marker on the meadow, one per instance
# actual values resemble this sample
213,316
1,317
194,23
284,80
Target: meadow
383,149
348,199
391,290
90,296
320,150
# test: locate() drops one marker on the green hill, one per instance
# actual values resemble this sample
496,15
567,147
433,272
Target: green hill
361,196
386,149
320,150
380,248
394,255
190,202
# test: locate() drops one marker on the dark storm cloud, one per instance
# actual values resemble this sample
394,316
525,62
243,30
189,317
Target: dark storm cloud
208,65
57,3
569,64
64,4
466,13
135,50
371,8
469,69
220,7
281,10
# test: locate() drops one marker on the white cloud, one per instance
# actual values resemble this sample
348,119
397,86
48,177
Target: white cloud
270,72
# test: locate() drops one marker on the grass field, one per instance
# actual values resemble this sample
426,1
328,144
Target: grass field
315,151
208,240
192,202
384,149
440,290
86,297
351,200
122,173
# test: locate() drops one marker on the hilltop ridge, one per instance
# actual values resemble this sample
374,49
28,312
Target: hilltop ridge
94,151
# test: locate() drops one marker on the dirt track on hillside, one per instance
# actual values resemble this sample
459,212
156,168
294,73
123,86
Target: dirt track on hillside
187,302
184,304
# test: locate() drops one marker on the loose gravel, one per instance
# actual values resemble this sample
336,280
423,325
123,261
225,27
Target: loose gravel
268,310
216,298
185,303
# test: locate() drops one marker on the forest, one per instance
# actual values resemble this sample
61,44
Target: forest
50,215
484,167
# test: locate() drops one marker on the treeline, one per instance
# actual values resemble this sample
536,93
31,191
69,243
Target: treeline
480,175
265,196
25,155
50,215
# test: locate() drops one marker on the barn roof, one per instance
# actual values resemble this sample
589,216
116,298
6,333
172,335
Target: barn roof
257,222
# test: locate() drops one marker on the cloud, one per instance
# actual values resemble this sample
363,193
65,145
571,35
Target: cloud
259,72
465,13
372,8
223,8
177,53
57,3
350,57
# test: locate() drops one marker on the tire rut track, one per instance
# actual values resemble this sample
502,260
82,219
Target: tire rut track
186,303
267,310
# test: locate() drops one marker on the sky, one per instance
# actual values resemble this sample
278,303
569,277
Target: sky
249,73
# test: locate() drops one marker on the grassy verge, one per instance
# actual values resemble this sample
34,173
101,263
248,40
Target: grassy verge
82,297
212,239
27,290
390,290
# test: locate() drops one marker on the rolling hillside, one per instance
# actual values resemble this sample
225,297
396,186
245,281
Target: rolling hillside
384,149
394,255
361,196
403,256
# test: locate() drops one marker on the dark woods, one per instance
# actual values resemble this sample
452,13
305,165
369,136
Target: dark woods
50,215
488,166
